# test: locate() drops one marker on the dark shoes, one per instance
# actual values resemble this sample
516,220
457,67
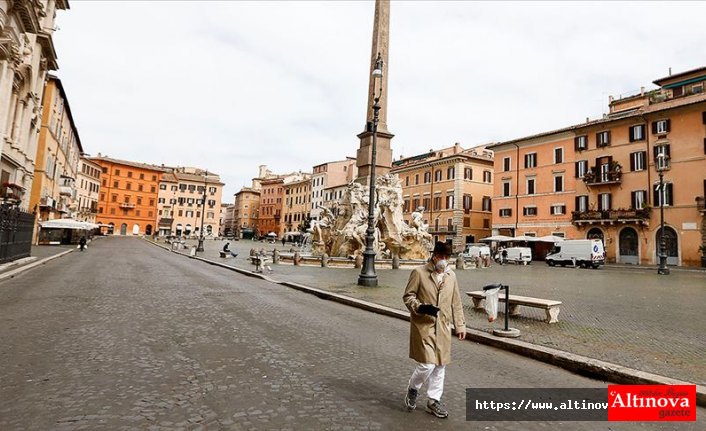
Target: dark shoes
437,409
410,400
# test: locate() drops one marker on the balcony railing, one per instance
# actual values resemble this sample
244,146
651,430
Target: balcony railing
66,191
641,216
127,205
594,177
442,229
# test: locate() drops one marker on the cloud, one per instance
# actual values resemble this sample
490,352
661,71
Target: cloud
231,85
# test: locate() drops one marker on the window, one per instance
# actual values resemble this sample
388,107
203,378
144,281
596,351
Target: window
116,184
637,133
558,155
406,181
638,199
112,211
506,164
105,182
129,174
104,170
468,174
662,162
427,177
661,127
137,213
637,161
139,200
437,203
506,188
603,139
581,168
114,198
558,209
582,203
128,186
450,173
449,202
559,183
154,177
416,178
152,202
581,143
142,176
405,207
163,187
437,175
529,211
530,160
604,202
117,172
153,189
139,187
505,212
663,195
467,202
487,203
530,186
487,177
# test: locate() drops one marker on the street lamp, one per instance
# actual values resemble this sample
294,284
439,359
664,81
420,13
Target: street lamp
368,277
203,212
661,166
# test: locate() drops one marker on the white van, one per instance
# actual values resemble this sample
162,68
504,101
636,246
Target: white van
476,250
582,252
519,255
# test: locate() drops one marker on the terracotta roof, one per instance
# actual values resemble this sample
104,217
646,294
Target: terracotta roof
679,75
182,176
129,163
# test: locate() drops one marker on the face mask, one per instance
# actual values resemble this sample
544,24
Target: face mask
441,265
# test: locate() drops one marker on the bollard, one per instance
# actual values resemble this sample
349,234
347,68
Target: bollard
324,260
460,263
275,256
395,261
192,252
358,262
297,258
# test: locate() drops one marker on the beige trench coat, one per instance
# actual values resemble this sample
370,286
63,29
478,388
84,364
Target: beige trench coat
430,337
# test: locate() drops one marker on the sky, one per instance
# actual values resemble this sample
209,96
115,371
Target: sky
231,85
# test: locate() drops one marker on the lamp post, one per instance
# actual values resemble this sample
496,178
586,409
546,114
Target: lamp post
367,276
199,248
661,166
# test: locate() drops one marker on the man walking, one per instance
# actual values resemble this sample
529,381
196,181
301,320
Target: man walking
434,302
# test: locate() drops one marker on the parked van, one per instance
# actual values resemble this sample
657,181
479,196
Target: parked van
519,255
476,250
582,252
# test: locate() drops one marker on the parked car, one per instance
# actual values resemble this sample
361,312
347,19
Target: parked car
476,250
581,252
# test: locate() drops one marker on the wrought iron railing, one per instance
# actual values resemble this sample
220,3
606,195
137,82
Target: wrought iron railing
15,233
618,214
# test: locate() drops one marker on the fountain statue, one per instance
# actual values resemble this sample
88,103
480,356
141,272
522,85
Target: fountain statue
344,235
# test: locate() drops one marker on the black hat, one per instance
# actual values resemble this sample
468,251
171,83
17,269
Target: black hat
442,249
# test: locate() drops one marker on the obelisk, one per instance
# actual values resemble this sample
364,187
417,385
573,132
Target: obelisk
377,88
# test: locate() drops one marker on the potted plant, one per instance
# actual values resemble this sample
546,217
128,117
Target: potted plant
702,250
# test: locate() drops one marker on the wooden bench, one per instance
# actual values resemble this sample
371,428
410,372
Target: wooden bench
550,307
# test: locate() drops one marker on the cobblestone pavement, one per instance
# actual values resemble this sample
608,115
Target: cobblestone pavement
127,336
630,317
38,252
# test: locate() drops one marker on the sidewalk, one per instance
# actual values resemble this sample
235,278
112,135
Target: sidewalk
38,253
632,318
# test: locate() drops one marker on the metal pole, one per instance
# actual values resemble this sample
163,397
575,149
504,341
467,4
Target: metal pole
203,211
507,307
368,277
662,270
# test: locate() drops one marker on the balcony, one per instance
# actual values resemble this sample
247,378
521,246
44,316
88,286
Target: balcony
594,177
47,202
66,191
442,230
166,222
127,205
633,216
701,204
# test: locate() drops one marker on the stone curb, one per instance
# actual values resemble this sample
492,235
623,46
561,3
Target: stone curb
14,272
578,364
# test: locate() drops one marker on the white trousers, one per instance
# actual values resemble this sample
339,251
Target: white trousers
434,374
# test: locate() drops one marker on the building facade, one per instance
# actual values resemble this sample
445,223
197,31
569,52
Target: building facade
246,212
26,56
88,183
189,197
455,188
271,201
225,222
327,175
128,196
54,188
297,207
600,179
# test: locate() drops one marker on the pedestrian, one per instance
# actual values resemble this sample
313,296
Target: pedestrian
82,243
226,248
434,302
283,241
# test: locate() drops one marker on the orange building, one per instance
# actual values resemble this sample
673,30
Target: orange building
128,196
455,187
271,197
600,179
246,212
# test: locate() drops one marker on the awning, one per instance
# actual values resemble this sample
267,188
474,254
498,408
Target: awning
67,223
499,238
549,238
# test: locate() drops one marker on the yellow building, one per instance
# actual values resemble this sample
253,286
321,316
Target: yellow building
297,207
455,187
53,193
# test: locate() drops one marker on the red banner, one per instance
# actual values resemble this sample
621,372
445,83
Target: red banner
649,403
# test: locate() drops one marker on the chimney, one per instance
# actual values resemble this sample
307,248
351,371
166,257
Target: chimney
610,99
457,148
642,91
587,119
262,171
670,71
